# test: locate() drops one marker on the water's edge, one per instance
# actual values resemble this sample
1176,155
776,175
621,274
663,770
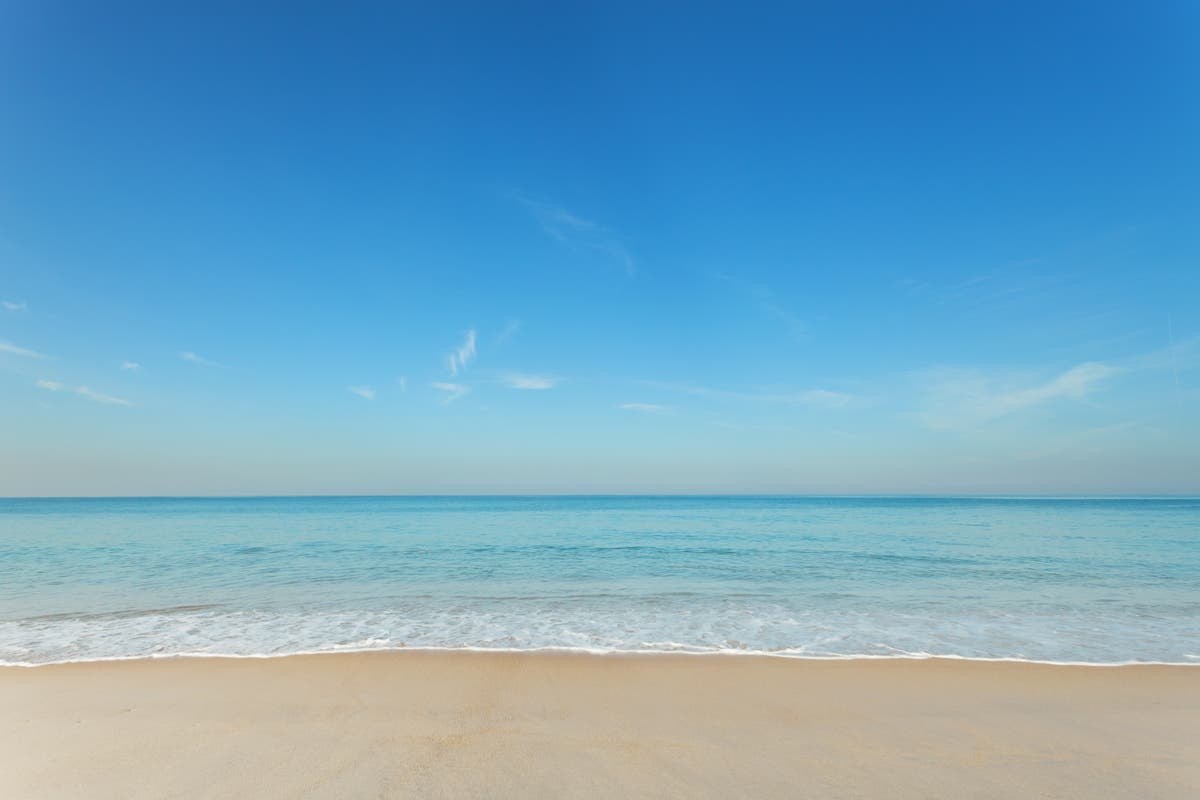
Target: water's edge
598,653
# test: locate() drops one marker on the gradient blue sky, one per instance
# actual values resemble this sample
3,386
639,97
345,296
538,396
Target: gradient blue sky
598,247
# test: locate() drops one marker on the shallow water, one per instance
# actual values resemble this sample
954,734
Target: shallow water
1078,580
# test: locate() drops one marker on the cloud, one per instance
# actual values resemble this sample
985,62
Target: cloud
957,398
131,366
515,380
578,233
650,408
766,300
1013,283
1076,382
510,330
83,391
12,306
807,397
100,397
1176,356
558,221
9,347
456,390
189,356
363,391
402,382
459,359
824,397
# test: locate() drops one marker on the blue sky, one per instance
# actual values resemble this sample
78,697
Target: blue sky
826,248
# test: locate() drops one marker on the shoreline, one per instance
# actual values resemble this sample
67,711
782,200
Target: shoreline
490,724
597,653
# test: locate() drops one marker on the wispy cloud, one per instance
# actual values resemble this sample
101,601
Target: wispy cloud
83,391
189,356
578,233
454,390
1076,382
363,391
509,331
770,304
1019,282
1177,356
807,397
514,380
11,305
131,366
402,382
465,353
649,408
957,398
9,347
823,397
100,397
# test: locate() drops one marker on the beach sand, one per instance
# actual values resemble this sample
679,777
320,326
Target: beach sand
430,724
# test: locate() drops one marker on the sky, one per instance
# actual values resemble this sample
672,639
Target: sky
847,248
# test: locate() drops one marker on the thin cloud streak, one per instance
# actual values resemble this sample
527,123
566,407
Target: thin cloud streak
9,347
518,381
649,408
12,306
824,397
130,366
83,391
456,390
1177,356
100,397
1076,382
510,330
465,353
190,357
766,300
807,397
961,398
578,233
365,392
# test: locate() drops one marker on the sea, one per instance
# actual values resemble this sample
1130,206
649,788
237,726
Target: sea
1072,580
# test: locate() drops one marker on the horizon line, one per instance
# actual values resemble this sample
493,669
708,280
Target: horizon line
798,495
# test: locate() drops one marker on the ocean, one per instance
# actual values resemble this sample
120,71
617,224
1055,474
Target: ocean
1098,581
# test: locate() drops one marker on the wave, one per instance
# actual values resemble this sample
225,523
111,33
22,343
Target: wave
666,625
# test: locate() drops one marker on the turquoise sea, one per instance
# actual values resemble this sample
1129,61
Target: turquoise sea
1070,580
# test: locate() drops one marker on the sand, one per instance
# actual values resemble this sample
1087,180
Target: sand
421,724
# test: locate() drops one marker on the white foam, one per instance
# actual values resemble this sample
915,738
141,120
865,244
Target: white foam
600,626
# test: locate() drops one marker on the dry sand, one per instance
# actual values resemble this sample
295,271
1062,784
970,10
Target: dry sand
550,725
